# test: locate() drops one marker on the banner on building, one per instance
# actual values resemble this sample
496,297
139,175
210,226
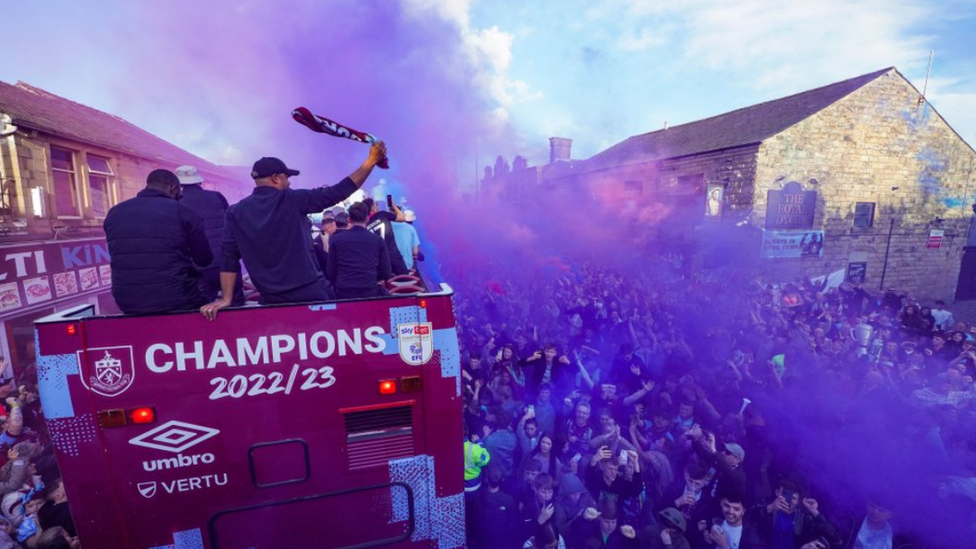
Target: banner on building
790,208
782,244
935,238
40,272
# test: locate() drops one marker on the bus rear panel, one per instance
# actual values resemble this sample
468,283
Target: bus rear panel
316,426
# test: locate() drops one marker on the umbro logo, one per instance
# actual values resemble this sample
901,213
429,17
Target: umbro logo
174,436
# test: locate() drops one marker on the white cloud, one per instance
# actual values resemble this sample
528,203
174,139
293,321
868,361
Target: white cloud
488,51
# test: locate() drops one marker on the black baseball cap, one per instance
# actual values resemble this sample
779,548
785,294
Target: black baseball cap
268,166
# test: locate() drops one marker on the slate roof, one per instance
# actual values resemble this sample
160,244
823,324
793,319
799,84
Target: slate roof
736,128
34,108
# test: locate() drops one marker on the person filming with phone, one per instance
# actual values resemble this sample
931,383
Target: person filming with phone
380,223
791,520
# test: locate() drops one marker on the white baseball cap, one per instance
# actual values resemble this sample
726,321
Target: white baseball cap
188,175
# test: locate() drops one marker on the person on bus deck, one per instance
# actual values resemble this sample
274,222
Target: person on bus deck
157,246
407,240
358,259
211,206
270,231
381,224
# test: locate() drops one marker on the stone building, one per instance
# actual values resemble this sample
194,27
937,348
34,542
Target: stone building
62,166
862,176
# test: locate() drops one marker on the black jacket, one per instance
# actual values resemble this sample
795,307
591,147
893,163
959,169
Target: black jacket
211,206
358,259
157,245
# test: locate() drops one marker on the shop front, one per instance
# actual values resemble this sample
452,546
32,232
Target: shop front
42,277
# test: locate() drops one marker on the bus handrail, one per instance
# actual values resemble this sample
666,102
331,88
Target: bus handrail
71,313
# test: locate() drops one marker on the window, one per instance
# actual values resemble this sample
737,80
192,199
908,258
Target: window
864,214
65,183
100,180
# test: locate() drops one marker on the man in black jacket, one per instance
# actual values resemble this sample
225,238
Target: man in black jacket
157,245
271,232
358,259
211,206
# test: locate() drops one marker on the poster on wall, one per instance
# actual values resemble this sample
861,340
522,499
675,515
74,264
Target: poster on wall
857,271
9,296
714,200
935,238
37,289
786,244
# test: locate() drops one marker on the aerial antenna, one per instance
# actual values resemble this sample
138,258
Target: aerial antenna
925,87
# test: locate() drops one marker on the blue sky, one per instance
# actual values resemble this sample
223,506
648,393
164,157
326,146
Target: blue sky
596,71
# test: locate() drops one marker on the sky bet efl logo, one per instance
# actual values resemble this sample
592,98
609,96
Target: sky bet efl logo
416,342
176,437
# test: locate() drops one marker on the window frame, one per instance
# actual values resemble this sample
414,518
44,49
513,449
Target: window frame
73,174
110,179
870,215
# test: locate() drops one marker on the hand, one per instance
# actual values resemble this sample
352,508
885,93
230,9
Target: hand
628,531
478,383
377,153
564,359
590,513
209,311
665,537
685,500
778,504
814,545
811,506
546,513
719,537
536,355
12,454
602,454
648,385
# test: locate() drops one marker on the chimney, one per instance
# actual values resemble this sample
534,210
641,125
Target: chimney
559,149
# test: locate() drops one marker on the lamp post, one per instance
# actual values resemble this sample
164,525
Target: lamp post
884,268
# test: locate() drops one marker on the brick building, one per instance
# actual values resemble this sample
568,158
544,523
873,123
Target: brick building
813,183
62,166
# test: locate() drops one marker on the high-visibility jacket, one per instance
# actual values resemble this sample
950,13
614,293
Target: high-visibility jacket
476,457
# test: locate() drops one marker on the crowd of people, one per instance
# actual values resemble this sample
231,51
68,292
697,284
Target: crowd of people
656,409
34,513
603,407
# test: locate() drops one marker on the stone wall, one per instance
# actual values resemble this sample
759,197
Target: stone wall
877,145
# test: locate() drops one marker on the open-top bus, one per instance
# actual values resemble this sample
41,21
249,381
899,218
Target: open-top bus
333,425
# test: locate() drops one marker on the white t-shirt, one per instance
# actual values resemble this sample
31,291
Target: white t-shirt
733,534
869,538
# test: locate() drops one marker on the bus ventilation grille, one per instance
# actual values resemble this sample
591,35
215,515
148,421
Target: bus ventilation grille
374,437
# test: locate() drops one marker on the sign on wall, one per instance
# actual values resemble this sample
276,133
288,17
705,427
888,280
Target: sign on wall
39,272
790,208
857,271
782,244
935,238
714,200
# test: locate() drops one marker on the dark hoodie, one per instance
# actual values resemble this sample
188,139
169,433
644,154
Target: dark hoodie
566,510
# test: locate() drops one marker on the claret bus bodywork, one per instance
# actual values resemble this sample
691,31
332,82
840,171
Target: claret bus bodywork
316,426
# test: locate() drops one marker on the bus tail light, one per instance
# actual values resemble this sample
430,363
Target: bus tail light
388,387
143,416
118,417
